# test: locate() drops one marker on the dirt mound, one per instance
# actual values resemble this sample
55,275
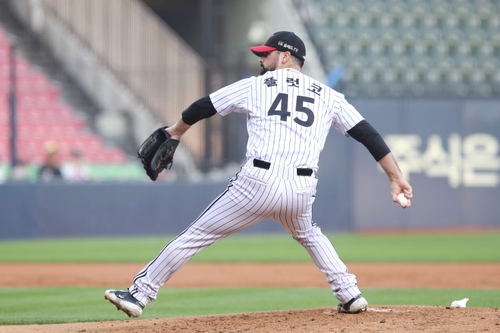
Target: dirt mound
321,320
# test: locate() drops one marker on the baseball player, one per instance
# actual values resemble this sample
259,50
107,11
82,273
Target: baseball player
289,116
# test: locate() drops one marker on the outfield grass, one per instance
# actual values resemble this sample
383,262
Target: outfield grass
62,305
72,304
476,247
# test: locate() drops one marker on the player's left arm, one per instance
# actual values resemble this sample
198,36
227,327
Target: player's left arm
365,133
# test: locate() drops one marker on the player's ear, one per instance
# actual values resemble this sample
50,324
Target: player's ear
286,56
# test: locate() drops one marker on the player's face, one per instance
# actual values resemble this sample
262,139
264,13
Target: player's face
269,62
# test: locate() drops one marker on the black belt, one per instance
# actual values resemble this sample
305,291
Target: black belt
266,165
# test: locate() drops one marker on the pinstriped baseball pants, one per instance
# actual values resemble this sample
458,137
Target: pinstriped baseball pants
253,195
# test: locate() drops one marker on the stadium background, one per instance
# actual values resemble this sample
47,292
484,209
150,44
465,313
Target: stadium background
425,73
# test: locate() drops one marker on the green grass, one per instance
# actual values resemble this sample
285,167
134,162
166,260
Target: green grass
69,304
61,305
475,247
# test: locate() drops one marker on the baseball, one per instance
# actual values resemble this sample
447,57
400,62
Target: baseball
402,200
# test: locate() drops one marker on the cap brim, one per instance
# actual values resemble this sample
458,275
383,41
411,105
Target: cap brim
261,50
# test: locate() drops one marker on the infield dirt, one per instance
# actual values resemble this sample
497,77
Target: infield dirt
318,320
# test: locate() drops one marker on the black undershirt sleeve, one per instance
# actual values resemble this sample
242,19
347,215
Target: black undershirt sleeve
201,109
370,138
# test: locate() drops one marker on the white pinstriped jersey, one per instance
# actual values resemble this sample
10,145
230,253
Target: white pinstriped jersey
289,115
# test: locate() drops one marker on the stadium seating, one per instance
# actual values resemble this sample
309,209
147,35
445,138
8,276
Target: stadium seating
43,116
395,47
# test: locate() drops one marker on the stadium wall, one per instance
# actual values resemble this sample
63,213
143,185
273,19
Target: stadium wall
448,149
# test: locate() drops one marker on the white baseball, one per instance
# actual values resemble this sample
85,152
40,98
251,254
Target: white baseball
402,200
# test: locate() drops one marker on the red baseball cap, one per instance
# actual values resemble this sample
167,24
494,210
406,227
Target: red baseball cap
282,41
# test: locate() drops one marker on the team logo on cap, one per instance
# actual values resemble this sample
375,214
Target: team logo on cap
288,46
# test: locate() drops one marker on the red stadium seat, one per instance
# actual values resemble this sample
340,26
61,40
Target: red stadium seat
41,116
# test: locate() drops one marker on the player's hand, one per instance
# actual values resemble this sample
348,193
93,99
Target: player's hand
157,152
401,186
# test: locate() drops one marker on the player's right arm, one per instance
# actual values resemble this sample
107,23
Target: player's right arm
398,182
371,139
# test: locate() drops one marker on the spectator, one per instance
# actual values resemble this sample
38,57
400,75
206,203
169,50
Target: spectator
51,169
76,170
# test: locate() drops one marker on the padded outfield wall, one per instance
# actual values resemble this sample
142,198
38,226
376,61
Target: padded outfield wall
448,149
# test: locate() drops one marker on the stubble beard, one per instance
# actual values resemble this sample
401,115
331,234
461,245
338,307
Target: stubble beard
263,70
272,67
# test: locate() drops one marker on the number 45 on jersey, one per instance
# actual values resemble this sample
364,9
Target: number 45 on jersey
282,101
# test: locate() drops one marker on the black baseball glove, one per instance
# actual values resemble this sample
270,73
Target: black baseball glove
157,152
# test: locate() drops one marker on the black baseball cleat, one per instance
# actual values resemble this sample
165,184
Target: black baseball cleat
355,305
124,301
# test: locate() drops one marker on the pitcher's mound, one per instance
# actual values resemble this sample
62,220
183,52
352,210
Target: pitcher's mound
405,319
